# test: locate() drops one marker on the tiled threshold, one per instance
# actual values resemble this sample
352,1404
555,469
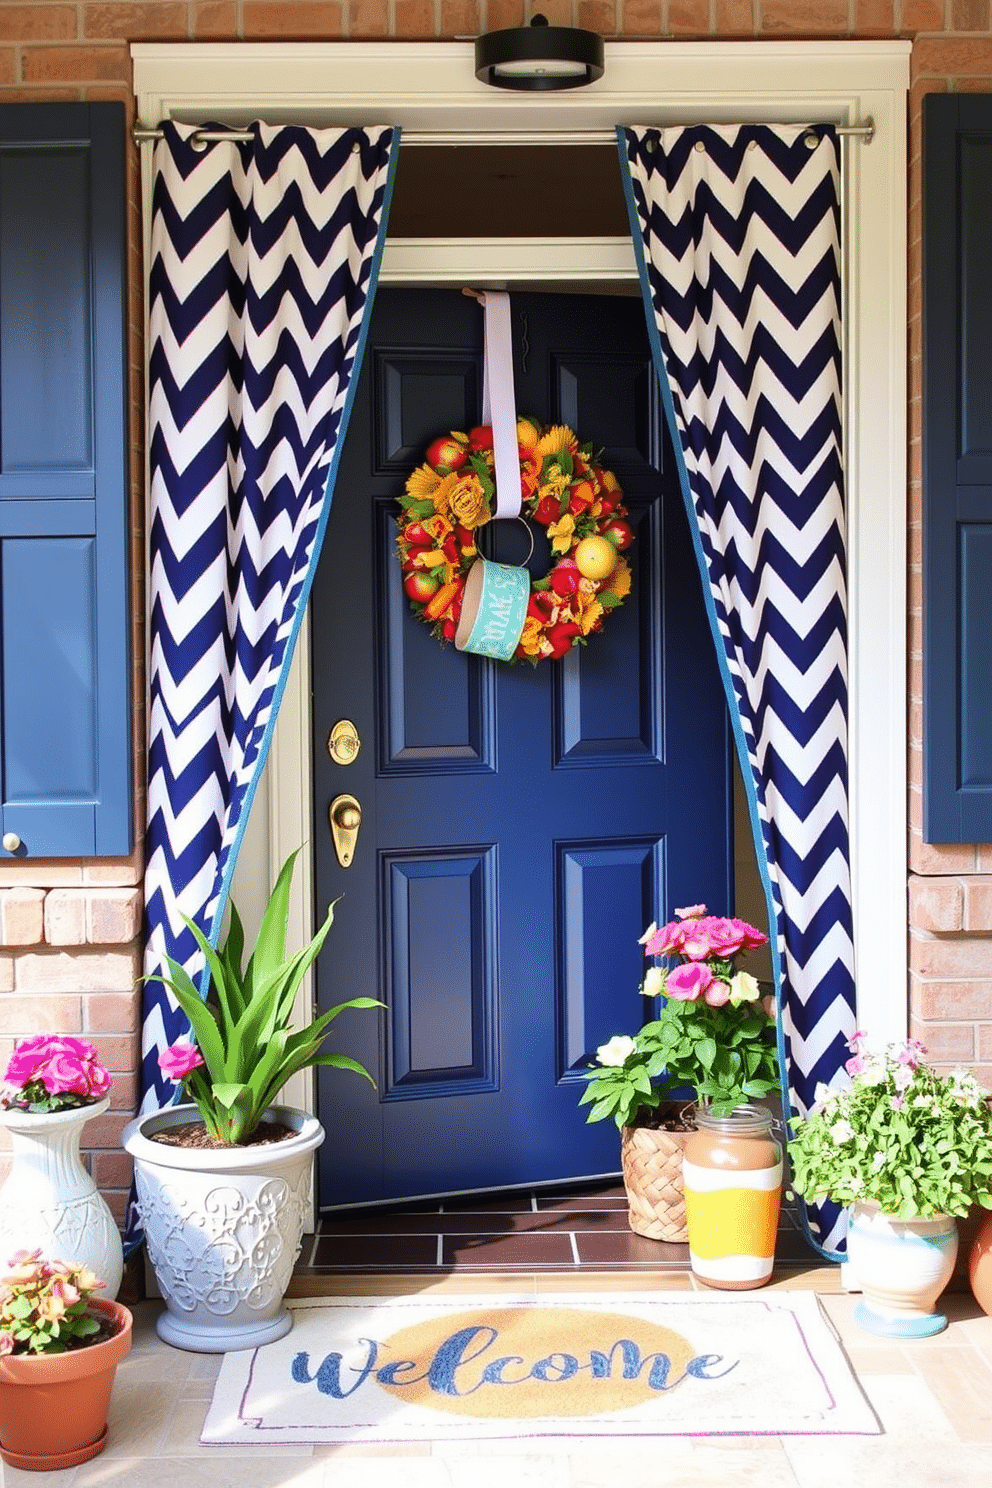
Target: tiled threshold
561,1232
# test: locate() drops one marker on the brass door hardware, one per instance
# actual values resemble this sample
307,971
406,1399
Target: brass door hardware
343,742
345,816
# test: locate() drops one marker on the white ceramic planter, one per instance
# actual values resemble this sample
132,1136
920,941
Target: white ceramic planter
901,1267
50,1202
224,1228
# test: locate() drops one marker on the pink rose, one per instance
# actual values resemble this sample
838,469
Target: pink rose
717,993
726,936
691,912
687,983
65,1072
752,937
697,942
666,941
28,1053
179,1060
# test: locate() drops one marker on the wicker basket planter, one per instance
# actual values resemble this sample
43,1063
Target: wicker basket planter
651,1158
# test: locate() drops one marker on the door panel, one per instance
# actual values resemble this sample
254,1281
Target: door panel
520,826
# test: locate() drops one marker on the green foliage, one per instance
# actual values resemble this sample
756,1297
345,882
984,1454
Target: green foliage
727,1055
916,1142
243,1030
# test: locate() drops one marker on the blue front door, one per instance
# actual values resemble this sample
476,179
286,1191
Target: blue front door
519,827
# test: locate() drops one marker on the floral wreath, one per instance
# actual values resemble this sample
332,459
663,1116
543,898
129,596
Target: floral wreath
564,489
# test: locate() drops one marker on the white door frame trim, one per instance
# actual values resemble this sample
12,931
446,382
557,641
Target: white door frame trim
431,87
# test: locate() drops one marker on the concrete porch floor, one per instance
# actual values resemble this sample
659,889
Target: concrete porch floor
933,1397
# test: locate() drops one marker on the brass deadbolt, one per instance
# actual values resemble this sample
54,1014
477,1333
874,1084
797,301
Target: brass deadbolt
343,742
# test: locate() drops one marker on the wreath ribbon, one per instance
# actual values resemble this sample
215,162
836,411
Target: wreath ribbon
499,406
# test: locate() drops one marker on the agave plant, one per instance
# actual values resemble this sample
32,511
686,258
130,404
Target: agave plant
245,1049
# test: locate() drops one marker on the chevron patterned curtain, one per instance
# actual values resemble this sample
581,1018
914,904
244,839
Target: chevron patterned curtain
737,234
264,260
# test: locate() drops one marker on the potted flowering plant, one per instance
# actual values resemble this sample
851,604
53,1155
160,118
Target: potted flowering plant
713,1043
908,1150
59,1351
245,1047
53,1072
223,1183
53,1085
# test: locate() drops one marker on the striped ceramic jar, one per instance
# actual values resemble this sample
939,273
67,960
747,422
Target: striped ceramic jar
732,1176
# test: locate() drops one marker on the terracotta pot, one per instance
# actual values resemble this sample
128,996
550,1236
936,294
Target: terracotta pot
901,1266
651,1159
224,1228
980,1264
53,1407
732,1173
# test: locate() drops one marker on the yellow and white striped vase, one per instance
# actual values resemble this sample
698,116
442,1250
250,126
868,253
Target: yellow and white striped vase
732,1177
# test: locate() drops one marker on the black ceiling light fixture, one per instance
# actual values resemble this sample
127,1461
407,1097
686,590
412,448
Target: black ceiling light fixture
539,56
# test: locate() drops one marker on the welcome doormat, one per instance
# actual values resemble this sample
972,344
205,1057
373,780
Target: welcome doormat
442,1368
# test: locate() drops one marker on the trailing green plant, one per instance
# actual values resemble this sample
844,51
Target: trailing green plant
245,1047
44,1305
916,1142
713,1035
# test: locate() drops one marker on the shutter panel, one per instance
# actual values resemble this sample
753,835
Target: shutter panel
957,468
65,706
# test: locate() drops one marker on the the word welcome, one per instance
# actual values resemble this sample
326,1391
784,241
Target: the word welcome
462,1363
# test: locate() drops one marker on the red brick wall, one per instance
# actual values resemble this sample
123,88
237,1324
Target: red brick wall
69,932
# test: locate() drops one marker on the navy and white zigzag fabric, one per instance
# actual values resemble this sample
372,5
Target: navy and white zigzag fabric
264,259
737,233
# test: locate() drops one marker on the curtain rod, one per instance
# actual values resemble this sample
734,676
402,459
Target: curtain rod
202,137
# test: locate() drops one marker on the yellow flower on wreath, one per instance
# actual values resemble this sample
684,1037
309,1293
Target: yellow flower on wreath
461,500
530,640
561,533
557,439
468,504
554,483
619,581
590,611
423,483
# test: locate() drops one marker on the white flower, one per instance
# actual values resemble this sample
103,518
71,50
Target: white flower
842,1131
962,1083
902,1077
617,1050
744,988
654,982
875,1072
643,939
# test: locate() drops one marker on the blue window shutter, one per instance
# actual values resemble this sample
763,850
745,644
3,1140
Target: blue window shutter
957,468
65,683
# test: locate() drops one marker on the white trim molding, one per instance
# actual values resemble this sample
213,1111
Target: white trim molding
429,88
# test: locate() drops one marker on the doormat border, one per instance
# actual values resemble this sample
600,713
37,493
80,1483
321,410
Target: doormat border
796,1379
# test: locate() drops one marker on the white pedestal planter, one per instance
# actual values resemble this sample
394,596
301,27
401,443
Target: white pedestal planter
50,1202
223,1227
901,1267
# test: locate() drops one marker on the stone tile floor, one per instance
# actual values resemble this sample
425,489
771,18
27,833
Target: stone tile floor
933,1396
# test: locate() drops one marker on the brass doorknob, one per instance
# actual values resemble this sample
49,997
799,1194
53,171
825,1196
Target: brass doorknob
345,816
